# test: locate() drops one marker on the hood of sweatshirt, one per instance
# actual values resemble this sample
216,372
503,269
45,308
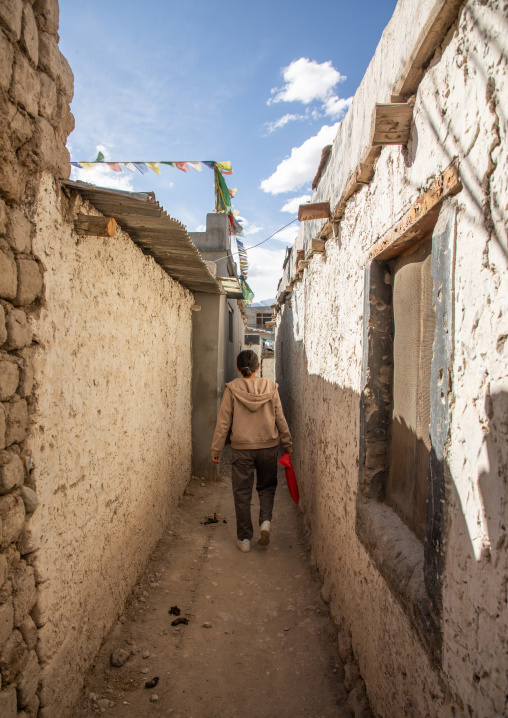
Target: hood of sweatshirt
252,393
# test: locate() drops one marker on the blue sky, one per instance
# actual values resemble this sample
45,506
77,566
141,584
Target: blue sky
262,84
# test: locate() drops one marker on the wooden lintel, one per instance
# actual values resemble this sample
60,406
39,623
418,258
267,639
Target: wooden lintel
391,124
289,288
90,226
316,246
318,210
440,20
303,264
420,219
271,324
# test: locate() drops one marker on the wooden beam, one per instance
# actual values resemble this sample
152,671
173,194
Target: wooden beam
391,124
302,264
420,219
299,255
441,18
289,288
325,158
317,246
318,210
90,226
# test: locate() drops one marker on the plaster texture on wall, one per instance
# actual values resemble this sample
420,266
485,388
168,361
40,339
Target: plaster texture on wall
110,432
459,114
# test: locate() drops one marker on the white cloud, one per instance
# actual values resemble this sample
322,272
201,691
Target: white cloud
104,177
265,270
301,166
248,228
287,235
282,122
310,81
335,107
292,205
307,80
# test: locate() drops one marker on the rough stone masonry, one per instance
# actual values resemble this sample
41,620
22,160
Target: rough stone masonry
36,86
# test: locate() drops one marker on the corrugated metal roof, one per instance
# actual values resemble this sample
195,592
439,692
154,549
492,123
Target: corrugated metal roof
152,229
231,287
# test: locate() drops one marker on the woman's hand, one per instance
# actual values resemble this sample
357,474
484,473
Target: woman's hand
216,459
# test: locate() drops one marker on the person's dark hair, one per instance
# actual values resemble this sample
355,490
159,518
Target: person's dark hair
247,362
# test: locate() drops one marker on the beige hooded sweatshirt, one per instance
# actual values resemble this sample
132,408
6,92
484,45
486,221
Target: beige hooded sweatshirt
252,409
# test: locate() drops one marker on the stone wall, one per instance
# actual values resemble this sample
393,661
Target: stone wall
36,86
459,115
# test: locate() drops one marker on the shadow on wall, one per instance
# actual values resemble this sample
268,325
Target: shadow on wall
447,127
459,628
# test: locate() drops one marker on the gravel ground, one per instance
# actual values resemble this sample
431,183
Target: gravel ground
258,642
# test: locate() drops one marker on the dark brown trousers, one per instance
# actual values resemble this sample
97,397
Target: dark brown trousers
244,462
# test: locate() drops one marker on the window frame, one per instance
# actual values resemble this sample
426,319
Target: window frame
412,568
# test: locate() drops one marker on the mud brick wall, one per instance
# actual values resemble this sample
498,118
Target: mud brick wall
459,114
111,435
36,86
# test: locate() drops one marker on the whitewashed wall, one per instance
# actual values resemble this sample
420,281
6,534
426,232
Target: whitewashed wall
459,113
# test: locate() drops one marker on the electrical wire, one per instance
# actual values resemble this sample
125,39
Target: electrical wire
231,254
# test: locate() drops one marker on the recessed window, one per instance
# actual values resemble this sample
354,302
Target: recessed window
404,419
414,324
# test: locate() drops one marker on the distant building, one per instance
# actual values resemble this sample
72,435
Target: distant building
217,338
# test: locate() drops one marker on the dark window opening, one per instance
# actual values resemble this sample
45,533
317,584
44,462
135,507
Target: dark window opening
230,324
262,318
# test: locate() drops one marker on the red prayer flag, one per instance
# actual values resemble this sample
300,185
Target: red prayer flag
114,166
182,166
286,462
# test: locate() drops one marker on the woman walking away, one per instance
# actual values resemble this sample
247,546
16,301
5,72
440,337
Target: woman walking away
251,408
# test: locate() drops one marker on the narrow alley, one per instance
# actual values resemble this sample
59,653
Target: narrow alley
259,640
352,246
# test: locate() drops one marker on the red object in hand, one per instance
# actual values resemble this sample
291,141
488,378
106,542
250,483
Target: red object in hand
290,477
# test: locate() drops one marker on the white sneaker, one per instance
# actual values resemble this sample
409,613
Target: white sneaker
264,538
243,545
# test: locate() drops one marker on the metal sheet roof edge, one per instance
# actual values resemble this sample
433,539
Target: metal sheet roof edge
203,276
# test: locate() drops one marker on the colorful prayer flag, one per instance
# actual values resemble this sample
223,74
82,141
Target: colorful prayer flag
195,166
87,166
114,166
141,166
129,166
182,166
99,158
154,166
225,167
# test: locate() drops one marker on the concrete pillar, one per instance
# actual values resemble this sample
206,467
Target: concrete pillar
207,378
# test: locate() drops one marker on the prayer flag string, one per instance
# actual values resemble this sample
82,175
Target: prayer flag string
223,195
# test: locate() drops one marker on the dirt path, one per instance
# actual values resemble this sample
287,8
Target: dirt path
269,649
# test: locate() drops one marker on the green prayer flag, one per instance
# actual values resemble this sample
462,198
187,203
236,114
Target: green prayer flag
248,294
99,158
223,192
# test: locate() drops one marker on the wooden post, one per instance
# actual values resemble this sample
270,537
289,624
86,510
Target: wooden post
391,124
318,210
90,226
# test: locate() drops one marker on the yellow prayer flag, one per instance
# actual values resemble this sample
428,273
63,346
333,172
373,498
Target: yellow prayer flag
87,166
154,166
226,166
236,213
